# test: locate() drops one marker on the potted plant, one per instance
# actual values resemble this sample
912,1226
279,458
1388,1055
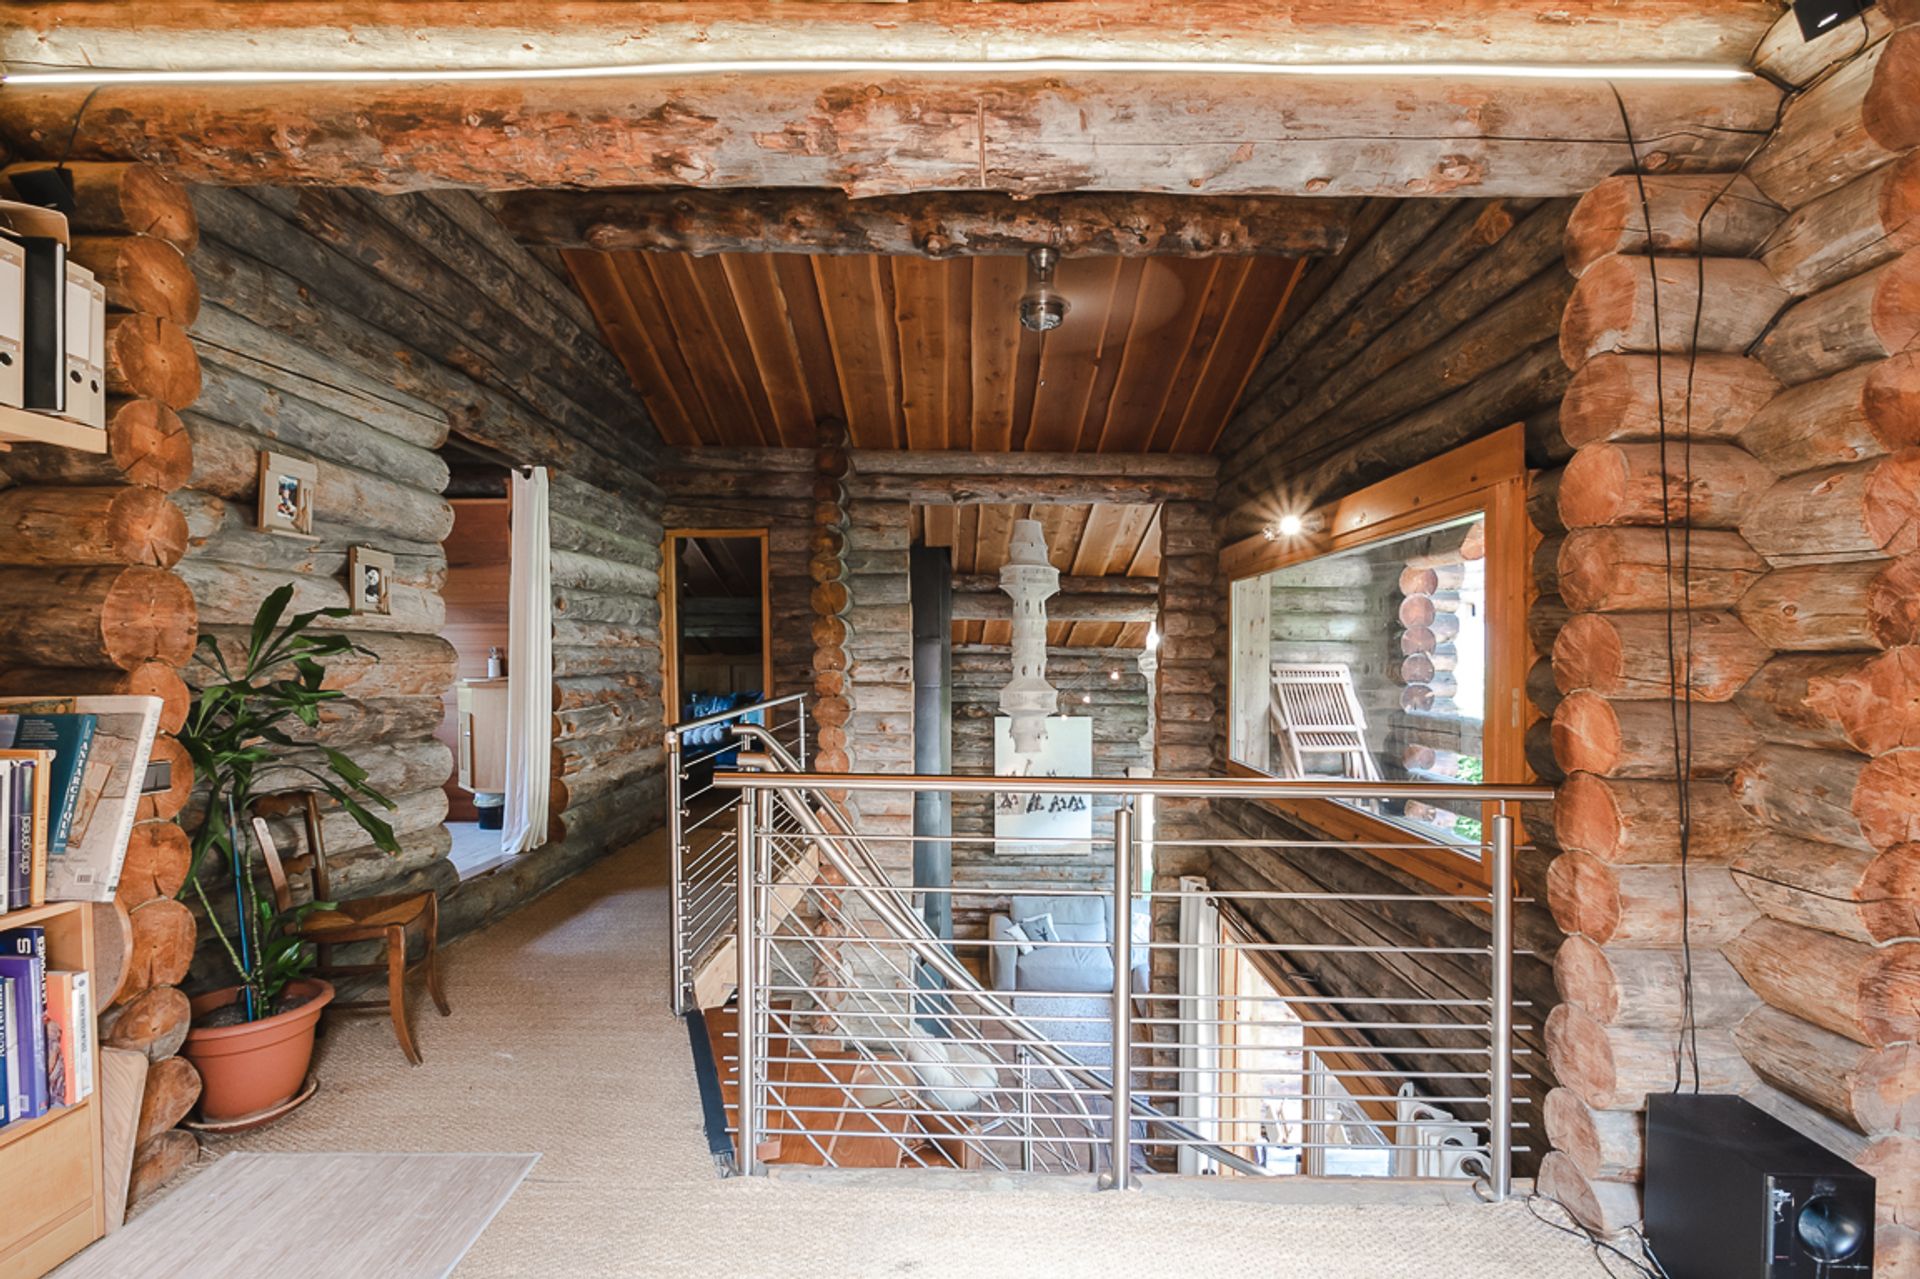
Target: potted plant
253,1041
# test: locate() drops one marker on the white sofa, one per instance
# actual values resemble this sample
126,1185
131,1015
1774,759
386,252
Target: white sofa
1086,967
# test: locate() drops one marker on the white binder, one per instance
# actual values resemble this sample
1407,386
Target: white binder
86,321
13,322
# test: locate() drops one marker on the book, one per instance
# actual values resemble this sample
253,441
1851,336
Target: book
13,1103
88,869
23,959
70,737
7,837
70,1007
29,1020
23,835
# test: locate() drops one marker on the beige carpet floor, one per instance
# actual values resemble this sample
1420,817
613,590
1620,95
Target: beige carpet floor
561,1043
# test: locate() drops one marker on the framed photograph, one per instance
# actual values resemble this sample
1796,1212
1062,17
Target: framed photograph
369,580
1063,824
286,494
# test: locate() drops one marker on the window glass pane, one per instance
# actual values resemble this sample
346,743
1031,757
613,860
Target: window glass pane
1371,664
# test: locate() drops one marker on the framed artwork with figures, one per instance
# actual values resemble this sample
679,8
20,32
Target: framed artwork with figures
287,486
369,580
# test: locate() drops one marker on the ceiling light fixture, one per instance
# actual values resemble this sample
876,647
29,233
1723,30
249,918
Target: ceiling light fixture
879,66
1041,306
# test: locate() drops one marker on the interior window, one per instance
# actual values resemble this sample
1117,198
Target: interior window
1375,668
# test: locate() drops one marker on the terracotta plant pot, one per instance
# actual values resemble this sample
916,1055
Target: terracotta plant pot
247,1068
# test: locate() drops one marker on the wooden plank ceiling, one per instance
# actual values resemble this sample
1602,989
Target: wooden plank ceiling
743,349
1088,541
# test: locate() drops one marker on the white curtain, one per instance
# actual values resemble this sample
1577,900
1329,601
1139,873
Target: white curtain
1199,1005
529,668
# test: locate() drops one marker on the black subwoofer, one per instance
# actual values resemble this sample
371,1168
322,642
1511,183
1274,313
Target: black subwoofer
1733,1193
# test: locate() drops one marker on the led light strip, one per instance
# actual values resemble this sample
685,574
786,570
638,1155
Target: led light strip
880,66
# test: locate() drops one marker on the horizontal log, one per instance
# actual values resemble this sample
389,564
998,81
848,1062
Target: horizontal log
149,679
172,1090
1863,412
1640,397
1612,307
1868,994
1631,986
226,462
92,617
1859,605
158,858
152,1021
1634,821
1839,513
1636,569
146,445
1853,121
1849,701
1638,655
1044,479
1868,317
61,527
1786,56
124,199
389,666
1887,799
575,571
1605,1145
1615,1067
230,595
1865,895
1640,905
1637,739
962,224
1707,485
151,358
226,532
970,606
1686,215
1815,794
163,937
158,1161
1026,132
141,273
1866,222
1606,1207
1865,1088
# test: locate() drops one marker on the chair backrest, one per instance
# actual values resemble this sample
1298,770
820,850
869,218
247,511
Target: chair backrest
312,863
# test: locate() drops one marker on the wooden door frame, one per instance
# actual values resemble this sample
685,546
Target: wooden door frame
670,611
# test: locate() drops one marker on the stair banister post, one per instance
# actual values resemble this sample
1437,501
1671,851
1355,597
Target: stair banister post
676,898
1122,1101
745,951
1500,1061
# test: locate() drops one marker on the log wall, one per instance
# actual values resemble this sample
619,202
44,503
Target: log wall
1796,424
94,599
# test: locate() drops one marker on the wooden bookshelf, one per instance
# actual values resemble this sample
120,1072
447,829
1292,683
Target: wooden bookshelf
51,1166
27,426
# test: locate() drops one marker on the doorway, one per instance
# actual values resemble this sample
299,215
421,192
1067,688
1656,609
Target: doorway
717,613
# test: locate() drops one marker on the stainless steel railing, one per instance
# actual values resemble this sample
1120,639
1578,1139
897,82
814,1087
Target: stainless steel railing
858,1024
701,828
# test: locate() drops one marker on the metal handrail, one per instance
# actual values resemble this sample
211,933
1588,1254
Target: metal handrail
682,894
872,884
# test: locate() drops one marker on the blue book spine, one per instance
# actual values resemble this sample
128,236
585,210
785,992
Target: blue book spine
29,1015
70,738
12,1104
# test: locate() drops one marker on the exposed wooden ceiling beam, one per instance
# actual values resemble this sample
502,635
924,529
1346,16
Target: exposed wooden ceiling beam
875,132
961,224
876,135
1036,479
984,601
346,34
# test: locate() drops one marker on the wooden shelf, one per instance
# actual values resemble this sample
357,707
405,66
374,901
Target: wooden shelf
52,1165
26,426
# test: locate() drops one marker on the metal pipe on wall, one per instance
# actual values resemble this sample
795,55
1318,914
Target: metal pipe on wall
931,594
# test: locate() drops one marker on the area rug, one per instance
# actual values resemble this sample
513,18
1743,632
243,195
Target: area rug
395,1216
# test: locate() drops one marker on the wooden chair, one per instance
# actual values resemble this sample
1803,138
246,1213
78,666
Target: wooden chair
362,919
1317,714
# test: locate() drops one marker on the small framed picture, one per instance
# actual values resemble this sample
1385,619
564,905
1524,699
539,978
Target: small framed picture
369,580
286,494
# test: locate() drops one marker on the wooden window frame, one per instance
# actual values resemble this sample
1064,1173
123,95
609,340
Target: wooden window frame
670,611
1486,476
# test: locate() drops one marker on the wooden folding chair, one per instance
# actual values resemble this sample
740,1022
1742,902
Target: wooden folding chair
362,919
1316,714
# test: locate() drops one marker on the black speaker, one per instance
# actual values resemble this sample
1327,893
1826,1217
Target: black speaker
1817,17
1733,1193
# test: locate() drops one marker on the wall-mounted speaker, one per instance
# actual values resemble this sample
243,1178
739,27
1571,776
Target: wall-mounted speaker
1733,1193
1817,17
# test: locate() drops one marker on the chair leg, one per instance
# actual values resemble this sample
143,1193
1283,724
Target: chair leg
397,991
434,987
